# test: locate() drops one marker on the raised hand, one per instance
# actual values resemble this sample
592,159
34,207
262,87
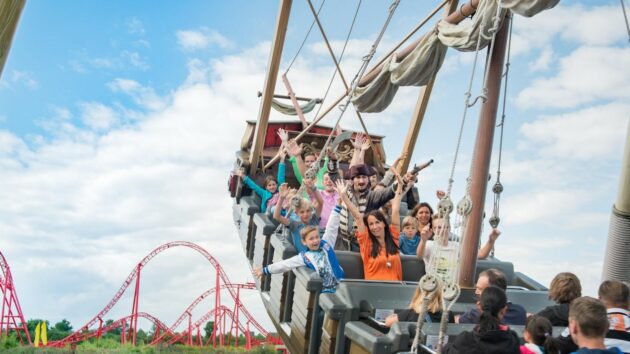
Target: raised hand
284,136
394,166
341,187
283,151
494,235
293,148
284,190
257,272
358,141
440,194
425,233
366,144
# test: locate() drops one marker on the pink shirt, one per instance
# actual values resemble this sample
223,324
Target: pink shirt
330,201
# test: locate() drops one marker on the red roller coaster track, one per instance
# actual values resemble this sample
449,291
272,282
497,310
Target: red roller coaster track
220,329
11,318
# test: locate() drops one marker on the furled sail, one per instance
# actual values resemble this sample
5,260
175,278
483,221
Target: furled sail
417,68
290,110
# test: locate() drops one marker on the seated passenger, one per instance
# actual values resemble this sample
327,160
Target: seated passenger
378,241
319,255
426,246
304,211
269,194
538,336
410,239
564,288
410,314
588,324
515,314
424,214
615,296
490,336
329,199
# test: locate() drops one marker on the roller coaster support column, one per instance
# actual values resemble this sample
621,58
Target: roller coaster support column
616,259
123,332
190,335
100,329
217,304
248,338
234,325
133,321
481,156
199,340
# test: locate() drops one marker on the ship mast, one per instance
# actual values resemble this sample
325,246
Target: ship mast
482,153
10,11
270,84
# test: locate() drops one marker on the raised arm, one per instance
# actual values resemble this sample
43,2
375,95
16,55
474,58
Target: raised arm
396,203
295,151
280,267
342,190
251,184
332,227
425,233
284,189
361,145
484,251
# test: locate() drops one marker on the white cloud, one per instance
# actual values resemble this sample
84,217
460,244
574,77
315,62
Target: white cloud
143,96
98,116
135,59
201,39
135,26
125,59
19,78
586,75
543,60
594,132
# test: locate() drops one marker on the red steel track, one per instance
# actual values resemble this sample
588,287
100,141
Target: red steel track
11,317
220,312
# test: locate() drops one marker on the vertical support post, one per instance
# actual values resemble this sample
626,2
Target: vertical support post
616,259
481,157
123,332
133,322
190,335
217,304
270,84
419,110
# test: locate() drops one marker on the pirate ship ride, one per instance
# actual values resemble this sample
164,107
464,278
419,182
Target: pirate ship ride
292,299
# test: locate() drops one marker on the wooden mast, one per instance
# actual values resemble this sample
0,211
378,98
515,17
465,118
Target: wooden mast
270,84
420,109
481,157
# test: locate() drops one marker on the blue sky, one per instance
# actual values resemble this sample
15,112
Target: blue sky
119,122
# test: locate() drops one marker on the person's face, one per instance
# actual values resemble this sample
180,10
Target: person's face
309,159
410,231
374,179
438,226
376,226
482,284
329,186
272,186
423,215
305,214
311,241
360,183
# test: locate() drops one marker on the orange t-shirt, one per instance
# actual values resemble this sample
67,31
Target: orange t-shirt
376,268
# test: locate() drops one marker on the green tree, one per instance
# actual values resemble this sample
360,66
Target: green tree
63,326
208,328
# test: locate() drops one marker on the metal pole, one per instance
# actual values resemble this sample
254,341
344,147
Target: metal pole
616,259
419,111
270,84
481,157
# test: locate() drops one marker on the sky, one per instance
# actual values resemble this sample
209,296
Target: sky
119,125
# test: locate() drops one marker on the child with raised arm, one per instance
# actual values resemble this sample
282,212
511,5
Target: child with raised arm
318,254
268,194
304,212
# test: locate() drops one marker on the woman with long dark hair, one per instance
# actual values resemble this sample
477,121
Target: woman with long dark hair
489,336
378,240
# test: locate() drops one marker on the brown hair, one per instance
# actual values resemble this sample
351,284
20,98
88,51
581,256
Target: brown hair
614,294
495,278
564,288
590,316
307,230
541,333
268,179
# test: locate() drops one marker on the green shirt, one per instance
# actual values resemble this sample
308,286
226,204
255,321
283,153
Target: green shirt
320,173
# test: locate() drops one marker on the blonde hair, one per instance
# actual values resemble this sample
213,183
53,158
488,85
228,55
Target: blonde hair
307,230
410,221
304,204
435,304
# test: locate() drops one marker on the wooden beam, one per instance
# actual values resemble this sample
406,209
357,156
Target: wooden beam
419,111
481,158
270,84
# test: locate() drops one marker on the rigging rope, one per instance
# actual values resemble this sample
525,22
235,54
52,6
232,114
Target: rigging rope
355,82
498,187
625,17
305,39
